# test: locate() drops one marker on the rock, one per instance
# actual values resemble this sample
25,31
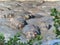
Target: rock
31,31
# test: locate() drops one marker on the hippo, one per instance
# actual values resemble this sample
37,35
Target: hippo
30,31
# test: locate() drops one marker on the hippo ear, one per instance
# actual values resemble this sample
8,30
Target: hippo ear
48,26
37,30
25,23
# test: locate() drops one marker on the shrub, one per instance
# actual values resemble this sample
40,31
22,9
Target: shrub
16,40
56,15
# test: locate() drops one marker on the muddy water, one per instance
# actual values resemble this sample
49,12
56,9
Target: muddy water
15,15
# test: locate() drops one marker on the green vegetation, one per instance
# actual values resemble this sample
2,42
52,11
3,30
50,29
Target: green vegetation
1,39
56,15
37,38
16,40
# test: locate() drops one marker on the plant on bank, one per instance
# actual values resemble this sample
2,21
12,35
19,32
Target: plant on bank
16,40
2,41
56,15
